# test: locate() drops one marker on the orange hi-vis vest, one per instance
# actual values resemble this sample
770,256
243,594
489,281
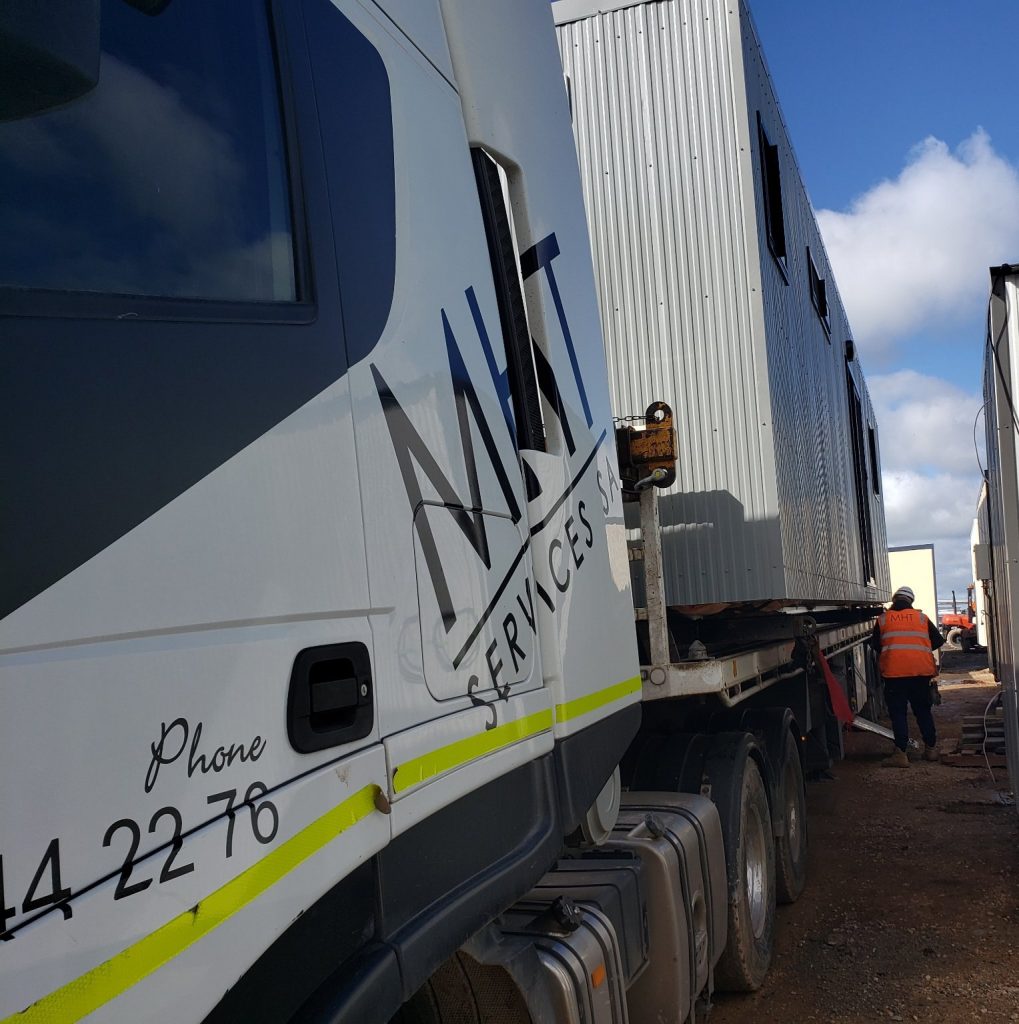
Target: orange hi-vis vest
905,644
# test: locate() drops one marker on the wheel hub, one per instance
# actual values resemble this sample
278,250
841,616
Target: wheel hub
756,872
793,823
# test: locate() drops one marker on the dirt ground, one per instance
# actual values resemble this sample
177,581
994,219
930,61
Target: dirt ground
911,911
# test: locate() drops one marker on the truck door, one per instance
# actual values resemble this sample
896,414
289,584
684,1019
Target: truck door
443,487
499,554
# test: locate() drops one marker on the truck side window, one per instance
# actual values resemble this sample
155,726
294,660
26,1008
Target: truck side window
169,179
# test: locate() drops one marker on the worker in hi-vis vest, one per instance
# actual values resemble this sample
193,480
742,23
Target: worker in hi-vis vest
906,640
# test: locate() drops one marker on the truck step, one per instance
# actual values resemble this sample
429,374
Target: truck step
613,882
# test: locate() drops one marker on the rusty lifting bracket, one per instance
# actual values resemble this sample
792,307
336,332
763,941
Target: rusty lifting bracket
647,450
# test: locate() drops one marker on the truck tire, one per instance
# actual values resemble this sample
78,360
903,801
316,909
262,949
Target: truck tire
791,846
738,791
953,637
462,991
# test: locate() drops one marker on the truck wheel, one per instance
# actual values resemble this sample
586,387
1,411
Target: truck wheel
462,991
739,793
953,637
791,847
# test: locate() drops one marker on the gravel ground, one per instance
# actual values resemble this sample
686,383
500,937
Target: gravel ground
911,911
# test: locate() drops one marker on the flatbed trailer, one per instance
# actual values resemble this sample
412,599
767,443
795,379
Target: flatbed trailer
736,678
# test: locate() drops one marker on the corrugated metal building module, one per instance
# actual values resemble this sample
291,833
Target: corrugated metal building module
717,297
913,566
980,562
1001,395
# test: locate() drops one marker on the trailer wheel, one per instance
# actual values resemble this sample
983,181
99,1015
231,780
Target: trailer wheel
791,846
739,793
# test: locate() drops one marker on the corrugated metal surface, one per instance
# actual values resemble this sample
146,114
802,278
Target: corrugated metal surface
1003,502
659,144
818,496
978,537
764,505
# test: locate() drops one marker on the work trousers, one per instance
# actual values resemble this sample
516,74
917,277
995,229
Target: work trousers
914,691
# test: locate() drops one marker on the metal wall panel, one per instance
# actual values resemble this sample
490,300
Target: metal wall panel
659,145
764,503
1001,388
983,585
809,393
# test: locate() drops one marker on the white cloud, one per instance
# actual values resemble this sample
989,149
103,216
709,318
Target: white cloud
938,508
926,423
913,252
954,570
930,476
920,508
911,255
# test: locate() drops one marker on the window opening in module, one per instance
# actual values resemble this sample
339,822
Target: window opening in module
771,182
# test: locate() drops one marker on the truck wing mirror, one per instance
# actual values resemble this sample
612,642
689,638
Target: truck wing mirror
49,54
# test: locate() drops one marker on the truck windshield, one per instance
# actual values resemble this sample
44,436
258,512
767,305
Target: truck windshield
169,179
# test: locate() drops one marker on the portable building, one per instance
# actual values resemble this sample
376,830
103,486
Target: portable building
912,565
1001,386
717,297
981,563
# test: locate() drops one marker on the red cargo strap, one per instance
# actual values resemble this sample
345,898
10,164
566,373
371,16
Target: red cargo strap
839,701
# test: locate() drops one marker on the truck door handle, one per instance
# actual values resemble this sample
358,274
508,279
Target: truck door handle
330,699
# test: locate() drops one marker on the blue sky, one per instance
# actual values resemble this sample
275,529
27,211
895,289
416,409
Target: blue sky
862,84
907,138
885,74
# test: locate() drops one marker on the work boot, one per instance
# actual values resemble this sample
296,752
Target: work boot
897,760
931,753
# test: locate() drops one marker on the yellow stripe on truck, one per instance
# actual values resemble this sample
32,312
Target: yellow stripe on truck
85,994
453,755
592,701
462,752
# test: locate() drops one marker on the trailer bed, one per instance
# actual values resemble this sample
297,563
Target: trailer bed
734,678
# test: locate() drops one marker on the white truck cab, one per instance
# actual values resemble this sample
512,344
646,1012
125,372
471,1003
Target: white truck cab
315,627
